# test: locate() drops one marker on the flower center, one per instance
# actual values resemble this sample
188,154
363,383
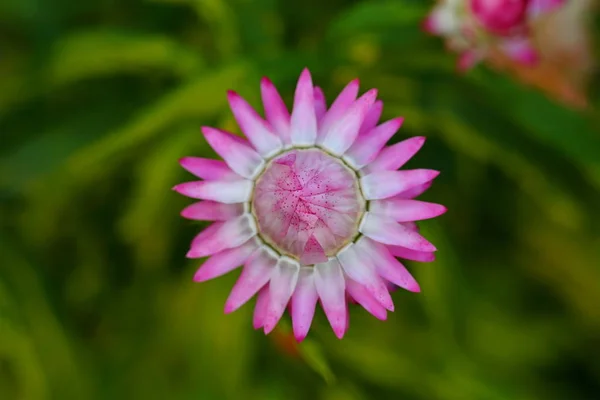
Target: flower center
307,195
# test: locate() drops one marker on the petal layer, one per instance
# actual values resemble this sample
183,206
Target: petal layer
385,231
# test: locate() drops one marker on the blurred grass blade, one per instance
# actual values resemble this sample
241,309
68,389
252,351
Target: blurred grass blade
119,52
315,357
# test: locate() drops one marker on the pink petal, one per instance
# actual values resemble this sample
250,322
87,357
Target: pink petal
237,154
469,59
393,157
275,110
222,191
341,134
208,169
212,211
225,261
402,210
414,191
304,301
362,296
232,233
304,121
442,20
538,7
387,266
207,232
359,268
260,134
320,105
372,117
330,285
339,107
367,147
260,309
313,252
385,231
521,50
281,287
255,274
403,252
384,184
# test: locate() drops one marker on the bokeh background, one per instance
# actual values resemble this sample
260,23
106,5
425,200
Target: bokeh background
99,99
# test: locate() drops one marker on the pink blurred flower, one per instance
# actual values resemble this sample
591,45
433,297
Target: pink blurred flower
475,28
312,204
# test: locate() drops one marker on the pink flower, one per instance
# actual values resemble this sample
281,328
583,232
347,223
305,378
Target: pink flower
312,205
474,28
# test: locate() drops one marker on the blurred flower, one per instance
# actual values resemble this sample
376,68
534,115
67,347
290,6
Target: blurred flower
564,44
312,204
475,28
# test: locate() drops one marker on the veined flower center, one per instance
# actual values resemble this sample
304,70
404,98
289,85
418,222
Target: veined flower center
304,193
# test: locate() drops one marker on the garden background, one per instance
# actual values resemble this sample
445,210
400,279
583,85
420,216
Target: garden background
99,100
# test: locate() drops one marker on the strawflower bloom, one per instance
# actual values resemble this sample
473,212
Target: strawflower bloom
312,205
475,28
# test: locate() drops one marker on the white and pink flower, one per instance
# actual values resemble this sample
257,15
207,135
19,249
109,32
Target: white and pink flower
474,28
312,205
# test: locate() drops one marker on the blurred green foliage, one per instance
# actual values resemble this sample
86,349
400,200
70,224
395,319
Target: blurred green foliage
98,100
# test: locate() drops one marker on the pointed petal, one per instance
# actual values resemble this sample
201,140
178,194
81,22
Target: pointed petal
402,210
372,118
275,110
212,211
415,191
385,231
222,191
208,169
237,154
539,7
384,184
256,273
313,252
362,296
368,146
339,107
303,121
231,234
393,157
387,266
330,285
521,50
359,268
304,301
341,134
225,261
260,309
204,234
282,285
258,132
320,104
403,252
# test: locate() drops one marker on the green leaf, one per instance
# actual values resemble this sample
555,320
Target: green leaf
202,97
564,129
117,52
315,357
378,15
146,225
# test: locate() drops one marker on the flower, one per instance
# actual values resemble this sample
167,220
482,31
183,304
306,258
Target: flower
563,40
312,204
475,28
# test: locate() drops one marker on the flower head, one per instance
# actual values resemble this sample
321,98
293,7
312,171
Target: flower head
474,28
312,205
